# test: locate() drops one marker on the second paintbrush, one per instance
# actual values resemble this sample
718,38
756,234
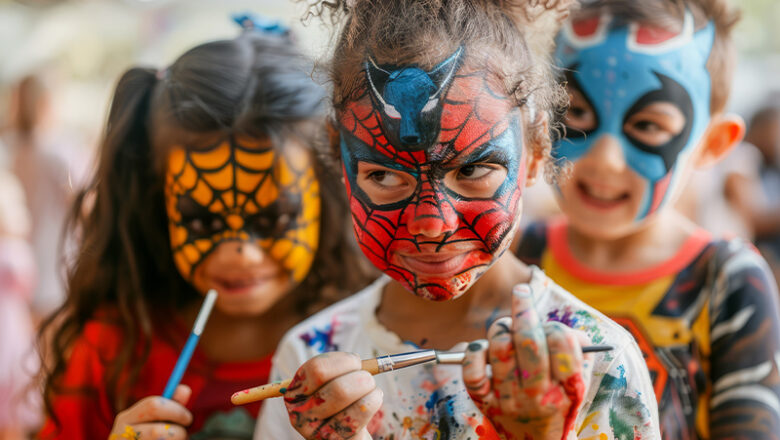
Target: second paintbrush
381,364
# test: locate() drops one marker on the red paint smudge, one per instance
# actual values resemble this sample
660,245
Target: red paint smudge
575,390
309,404
553,396
483,429
429,386
376,422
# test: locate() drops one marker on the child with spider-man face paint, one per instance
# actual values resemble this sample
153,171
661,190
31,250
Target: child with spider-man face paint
442,110
207,179
648,83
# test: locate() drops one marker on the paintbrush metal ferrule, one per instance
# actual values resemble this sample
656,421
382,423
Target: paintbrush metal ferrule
450,357
403,360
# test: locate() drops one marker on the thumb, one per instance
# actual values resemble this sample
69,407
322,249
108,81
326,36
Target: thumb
182,394
474,371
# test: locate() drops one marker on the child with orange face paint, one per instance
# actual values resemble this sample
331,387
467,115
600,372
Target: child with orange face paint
207,179
443,110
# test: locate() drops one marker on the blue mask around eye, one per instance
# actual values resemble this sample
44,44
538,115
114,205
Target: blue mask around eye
622,68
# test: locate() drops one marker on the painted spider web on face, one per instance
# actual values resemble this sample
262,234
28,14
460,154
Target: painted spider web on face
242,189
474,117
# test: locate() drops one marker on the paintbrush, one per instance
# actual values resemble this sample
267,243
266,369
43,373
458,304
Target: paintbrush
189,346
381,364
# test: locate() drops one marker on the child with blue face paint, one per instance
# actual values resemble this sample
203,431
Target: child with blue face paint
648,82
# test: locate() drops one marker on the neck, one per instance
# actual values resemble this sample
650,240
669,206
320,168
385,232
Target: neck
421,321
231,338
654,242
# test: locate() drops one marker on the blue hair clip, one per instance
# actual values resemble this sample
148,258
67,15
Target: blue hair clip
255,22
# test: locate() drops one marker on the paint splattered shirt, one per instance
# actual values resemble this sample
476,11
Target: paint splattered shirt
431,402
707,323
91,416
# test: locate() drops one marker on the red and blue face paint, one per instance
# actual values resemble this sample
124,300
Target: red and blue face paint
620,69
427,125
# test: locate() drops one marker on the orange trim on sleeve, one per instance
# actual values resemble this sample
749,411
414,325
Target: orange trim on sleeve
557,242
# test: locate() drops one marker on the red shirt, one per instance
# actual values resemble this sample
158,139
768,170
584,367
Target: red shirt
87,415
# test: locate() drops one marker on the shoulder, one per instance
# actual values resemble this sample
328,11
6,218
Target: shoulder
328,330
533,242
619,376
557,304
98,343
101,335
736,265
744,302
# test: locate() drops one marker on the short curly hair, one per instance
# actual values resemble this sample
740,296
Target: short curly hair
511,39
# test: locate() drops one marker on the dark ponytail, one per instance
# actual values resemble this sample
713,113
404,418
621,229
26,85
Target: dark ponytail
123,257
256,85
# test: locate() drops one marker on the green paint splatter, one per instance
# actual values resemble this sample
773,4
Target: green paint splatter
578,320
625,411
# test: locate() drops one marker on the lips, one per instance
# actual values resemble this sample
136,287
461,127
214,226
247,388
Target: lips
600,197
239,284
440,265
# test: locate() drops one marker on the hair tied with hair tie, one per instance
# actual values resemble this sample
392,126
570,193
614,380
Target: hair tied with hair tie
255,22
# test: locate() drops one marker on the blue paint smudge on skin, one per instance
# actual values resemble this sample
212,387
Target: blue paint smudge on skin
493,317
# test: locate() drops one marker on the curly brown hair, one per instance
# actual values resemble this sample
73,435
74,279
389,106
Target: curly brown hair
257,85
669,14
511,39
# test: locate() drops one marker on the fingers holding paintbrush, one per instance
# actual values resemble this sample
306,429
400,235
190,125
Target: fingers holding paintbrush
332,394
373,366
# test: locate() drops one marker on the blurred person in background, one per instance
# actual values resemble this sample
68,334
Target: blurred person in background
753,189
19,403
47,165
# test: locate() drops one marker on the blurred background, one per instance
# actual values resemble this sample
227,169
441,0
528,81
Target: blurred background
61,58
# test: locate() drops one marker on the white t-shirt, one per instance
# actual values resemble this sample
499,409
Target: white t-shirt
431,402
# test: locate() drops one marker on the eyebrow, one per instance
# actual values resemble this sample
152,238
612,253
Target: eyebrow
648,109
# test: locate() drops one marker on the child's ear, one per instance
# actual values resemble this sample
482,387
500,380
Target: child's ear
535,163
539,144
724,133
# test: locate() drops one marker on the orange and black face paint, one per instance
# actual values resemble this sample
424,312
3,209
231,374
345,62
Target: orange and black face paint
242,189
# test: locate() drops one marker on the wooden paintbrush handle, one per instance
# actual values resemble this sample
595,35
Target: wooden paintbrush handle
277,389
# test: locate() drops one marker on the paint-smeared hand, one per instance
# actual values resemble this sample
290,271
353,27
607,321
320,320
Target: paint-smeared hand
155,417
332,398
539,374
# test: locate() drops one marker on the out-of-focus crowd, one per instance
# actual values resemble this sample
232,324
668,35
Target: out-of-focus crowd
38,174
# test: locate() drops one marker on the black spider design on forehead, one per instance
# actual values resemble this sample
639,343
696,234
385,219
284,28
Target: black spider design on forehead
241,189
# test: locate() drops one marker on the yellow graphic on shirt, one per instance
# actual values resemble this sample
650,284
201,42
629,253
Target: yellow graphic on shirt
636,308
243,189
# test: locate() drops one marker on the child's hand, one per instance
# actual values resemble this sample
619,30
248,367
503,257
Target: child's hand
155,417
539,378
332,398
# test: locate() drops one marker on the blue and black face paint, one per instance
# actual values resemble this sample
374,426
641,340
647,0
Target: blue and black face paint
409,99
622,68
